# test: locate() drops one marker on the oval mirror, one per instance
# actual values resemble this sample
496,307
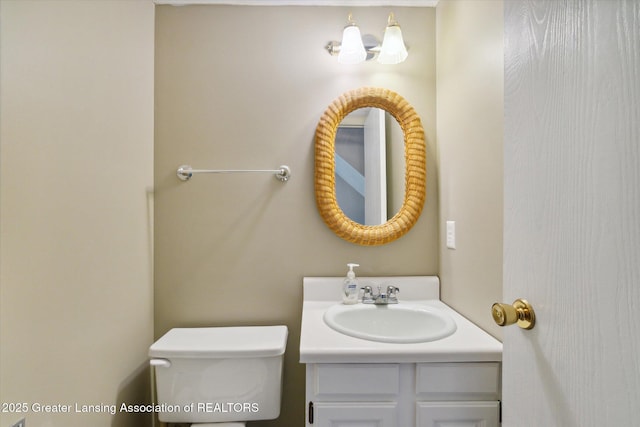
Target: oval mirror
414,166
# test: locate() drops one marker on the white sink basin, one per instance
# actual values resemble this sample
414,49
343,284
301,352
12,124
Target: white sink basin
396,323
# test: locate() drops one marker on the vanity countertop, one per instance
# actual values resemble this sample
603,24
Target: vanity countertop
321,344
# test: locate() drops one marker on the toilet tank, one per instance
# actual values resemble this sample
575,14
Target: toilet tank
207,375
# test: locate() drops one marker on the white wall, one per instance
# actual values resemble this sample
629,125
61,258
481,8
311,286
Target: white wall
470,126
76,315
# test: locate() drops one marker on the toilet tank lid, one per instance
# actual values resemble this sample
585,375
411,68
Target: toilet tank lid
221,342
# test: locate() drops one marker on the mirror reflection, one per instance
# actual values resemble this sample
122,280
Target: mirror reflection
369,166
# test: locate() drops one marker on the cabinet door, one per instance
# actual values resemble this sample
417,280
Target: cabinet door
458,414
355,414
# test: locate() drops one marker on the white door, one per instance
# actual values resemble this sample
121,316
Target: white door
572,212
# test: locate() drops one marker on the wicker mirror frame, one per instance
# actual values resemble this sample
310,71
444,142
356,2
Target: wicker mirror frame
415,167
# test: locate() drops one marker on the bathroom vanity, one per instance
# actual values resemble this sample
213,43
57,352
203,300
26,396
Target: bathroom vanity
376,383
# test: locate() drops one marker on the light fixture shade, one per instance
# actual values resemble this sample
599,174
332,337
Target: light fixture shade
393,50
352,49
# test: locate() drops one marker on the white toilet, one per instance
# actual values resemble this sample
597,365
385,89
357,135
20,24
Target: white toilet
220,377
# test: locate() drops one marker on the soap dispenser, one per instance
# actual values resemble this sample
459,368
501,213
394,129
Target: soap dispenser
350,286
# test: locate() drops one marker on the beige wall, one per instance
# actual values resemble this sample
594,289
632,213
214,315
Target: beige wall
470,127
244,87
76,166
233,90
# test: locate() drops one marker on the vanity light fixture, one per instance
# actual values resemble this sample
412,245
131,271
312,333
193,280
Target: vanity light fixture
393,50
352,49
356,48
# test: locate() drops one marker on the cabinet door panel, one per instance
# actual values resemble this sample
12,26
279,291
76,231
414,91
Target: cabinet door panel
339,380
458,381
457,414
360,414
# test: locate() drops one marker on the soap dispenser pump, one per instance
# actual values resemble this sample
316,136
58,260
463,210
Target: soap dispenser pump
350,286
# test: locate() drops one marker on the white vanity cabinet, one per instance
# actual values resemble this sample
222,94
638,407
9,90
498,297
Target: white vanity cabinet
358,382
403,395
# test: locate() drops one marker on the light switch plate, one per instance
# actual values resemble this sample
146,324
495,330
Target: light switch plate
451,234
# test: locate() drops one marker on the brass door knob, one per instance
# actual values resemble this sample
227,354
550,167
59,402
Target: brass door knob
520,312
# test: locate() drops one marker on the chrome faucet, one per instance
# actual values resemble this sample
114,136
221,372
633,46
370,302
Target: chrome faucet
381,298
